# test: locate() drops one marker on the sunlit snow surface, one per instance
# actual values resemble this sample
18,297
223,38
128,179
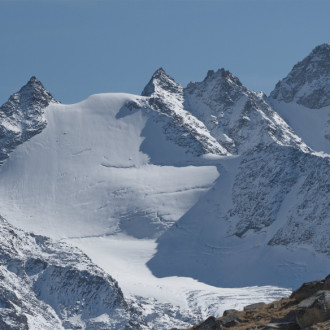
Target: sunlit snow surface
86,179
85,175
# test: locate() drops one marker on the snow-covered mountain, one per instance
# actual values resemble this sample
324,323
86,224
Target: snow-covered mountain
234,185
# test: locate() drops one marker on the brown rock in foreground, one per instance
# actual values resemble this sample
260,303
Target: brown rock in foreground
307,308
314,309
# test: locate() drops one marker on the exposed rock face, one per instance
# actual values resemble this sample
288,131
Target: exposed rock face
266,178
52,285
308,83
254,306
209,324
21,117
308,289
314,309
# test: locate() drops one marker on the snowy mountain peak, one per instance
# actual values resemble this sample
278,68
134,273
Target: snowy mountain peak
308,83
166,97
32,95
220,87
161,81
21,117
222,75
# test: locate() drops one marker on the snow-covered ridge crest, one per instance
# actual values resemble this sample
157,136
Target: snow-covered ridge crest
166,97
52,285
308,83
238,118
22,116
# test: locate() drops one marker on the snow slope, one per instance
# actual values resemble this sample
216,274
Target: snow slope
84,174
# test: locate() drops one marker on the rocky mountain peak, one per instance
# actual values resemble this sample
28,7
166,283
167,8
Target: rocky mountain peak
32,96
161,81
322,52
239,119
22,116
308,83
223,76
220,86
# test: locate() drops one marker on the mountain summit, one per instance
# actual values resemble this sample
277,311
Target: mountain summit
21,117
166,97
308,83
32,96
160,80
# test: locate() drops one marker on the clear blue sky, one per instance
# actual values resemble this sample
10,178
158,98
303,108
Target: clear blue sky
78,48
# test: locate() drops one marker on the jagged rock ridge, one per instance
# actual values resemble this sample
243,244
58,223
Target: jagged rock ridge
308,83
238,118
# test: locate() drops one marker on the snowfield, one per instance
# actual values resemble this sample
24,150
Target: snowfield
85,175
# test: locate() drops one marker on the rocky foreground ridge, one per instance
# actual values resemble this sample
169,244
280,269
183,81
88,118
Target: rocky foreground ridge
307,308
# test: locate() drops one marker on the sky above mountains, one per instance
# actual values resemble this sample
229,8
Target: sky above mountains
77,48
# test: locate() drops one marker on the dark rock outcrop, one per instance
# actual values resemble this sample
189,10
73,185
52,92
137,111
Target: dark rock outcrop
315,309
